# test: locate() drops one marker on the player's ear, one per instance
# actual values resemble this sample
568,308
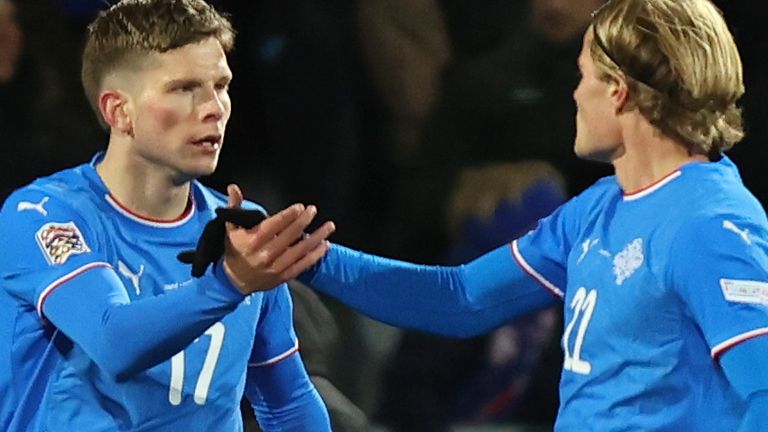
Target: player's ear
619,94
113,105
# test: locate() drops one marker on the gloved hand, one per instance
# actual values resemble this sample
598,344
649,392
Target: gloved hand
210,245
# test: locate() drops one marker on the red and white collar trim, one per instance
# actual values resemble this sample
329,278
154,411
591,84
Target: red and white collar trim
156,223
653,187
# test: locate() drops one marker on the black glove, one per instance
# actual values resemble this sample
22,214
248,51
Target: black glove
210,245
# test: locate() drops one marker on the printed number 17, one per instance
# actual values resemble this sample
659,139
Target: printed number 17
216,332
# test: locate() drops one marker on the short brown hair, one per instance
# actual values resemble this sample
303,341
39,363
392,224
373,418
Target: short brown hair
681,65
133,28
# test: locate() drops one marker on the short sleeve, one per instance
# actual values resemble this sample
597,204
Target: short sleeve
719,267
543,252
44,243
275,335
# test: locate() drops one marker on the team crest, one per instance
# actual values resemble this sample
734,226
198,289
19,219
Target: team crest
59,241
628,260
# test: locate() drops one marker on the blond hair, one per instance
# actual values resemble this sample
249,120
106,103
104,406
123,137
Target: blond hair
126,32
681,65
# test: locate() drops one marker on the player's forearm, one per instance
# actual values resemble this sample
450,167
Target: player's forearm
748,375
453,301
284,399
755,419
124,337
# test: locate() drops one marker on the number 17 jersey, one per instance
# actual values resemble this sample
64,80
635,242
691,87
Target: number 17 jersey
67,224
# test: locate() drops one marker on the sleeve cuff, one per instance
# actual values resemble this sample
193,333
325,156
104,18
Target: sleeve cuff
224,288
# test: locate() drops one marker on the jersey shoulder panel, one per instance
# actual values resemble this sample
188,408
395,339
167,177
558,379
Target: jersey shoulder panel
52,228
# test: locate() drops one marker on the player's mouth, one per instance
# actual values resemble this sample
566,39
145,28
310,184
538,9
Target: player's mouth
208,142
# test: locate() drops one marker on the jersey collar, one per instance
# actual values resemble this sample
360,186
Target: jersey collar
121,208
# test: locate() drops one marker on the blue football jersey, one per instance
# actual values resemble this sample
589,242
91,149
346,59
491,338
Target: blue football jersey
656,284
55,233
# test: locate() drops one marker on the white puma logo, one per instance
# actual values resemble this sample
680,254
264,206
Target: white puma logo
38,207
134,277
744,234
585,247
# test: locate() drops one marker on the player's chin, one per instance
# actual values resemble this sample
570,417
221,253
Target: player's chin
202,169
585,151
580,149
596,156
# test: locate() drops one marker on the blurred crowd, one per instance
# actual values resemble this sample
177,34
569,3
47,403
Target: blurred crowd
399,119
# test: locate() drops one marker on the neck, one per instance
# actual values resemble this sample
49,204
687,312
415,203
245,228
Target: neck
141,186
648,155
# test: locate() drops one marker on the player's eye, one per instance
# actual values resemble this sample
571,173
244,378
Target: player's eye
184,87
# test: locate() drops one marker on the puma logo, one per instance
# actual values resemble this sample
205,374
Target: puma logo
743,233
38,207
133,277
585,247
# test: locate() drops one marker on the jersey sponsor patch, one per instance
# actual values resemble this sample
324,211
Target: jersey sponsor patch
745,291
59,241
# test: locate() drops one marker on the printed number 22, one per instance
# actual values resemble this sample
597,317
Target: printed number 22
583,305
216,332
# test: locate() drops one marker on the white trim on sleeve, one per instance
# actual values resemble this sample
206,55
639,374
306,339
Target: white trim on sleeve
62,280
277,358
724,346
533,273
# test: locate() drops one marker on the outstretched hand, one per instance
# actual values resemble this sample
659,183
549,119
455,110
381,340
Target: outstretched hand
260,257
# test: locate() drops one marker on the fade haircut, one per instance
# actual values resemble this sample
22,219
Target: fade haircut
681,65
131,29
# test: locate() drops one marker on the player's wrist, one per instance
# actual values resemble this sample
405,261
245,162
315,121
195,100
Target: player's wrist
235,281
220,286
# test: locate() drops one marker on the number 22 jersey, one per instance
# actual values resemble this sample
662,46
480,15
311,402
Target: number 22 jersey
659,283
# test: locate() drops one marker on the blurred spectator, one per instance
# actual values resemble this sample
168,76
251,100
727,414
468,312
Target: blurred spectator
405,44
489,378
406,47
11,41
44,120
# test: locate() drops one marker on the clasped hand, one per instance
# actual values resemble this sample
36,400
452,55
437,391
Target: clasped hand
260,254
